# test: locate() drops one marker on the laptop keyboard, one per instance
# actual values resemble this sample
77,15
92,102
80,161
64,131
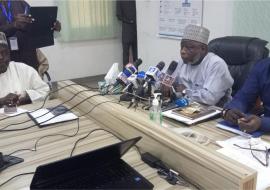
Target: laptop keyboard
113,175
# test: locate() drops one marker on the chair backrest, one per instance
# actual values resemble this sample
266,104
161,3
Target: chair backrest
43,67
240,53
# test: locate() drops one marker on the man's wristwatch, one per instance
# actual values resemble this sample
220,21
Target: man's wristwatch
224,111
183,92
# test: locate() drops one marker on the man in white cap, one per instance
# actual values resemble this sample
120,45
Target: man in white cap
201,75
19,83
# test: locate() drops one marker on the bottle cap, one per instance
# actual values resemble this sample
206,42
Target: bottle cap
155,100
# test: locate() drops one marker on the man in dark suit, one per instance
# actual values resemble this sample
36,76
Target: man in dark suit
257,85
15,23
126,12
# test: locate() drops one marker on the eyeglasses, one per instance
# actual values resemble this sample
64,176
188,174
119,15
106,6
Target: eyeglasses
253,150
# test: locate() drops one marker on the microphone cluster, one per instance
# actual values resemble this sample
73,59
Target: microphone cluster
136,85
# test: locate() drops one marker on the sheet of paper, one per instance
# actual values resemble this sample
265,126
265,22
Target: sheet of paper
45,117
19,110
245,157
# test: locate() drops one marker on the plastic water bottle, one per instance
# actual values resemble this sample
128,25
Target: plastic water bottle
155,110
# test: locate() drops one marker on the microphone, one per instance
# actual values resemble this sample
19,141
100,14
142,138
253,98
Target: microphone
132,82
139,91
167,79
141,76
135,80
127,72
137,63
154,72
121,79
172,68
123,76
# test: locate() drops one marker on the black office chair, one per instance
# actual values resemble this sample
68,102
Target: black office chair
240,53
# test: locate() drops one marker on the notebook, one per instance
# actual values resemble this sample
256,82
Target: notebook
235,129
193,113
99,169
41,32
47,116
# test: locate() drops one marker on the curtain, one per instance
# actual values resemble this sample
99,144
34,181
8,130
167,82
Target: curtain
87,19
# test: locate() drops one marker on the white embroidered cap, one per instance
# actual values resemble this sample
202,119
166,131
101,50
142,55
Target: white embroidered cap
196,33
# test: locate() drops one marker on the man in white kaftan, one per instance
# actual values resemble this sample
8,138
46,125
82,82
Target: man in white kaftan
209,82
202,76
19,83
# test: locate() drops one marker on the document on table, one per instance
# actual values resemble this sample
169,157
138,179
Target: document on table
192,113
19,111
235,129
245,157
47,116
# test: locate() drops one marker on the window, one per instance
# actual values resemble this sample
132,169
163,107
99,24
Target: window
87,19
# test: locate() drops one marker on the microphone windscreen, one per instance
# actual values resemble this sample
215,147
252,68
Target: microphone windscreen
141,75
172,67
129,69
138,62
122,79
160,65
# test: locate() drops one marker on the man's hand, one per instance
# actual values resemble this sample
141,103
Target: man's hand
21,21
57,26
11,99
165,91
233,115
250,123
180,88
24,99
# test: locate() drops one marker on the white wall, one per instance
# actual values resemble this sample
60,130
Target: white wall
80,59
89,58
152,49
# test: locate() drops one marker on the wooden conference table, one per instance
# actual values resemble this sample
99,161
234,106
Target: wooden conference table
199,163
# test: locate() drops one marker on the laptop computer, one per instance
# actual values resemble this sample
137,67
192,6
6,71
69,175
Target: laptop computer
41,33
99,169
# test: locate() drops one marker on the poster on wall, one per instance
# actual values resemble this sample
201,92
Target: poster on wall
175,15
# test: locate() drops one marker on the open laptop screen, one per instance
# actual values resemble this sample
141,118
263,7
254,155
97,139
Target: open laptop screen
93,159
